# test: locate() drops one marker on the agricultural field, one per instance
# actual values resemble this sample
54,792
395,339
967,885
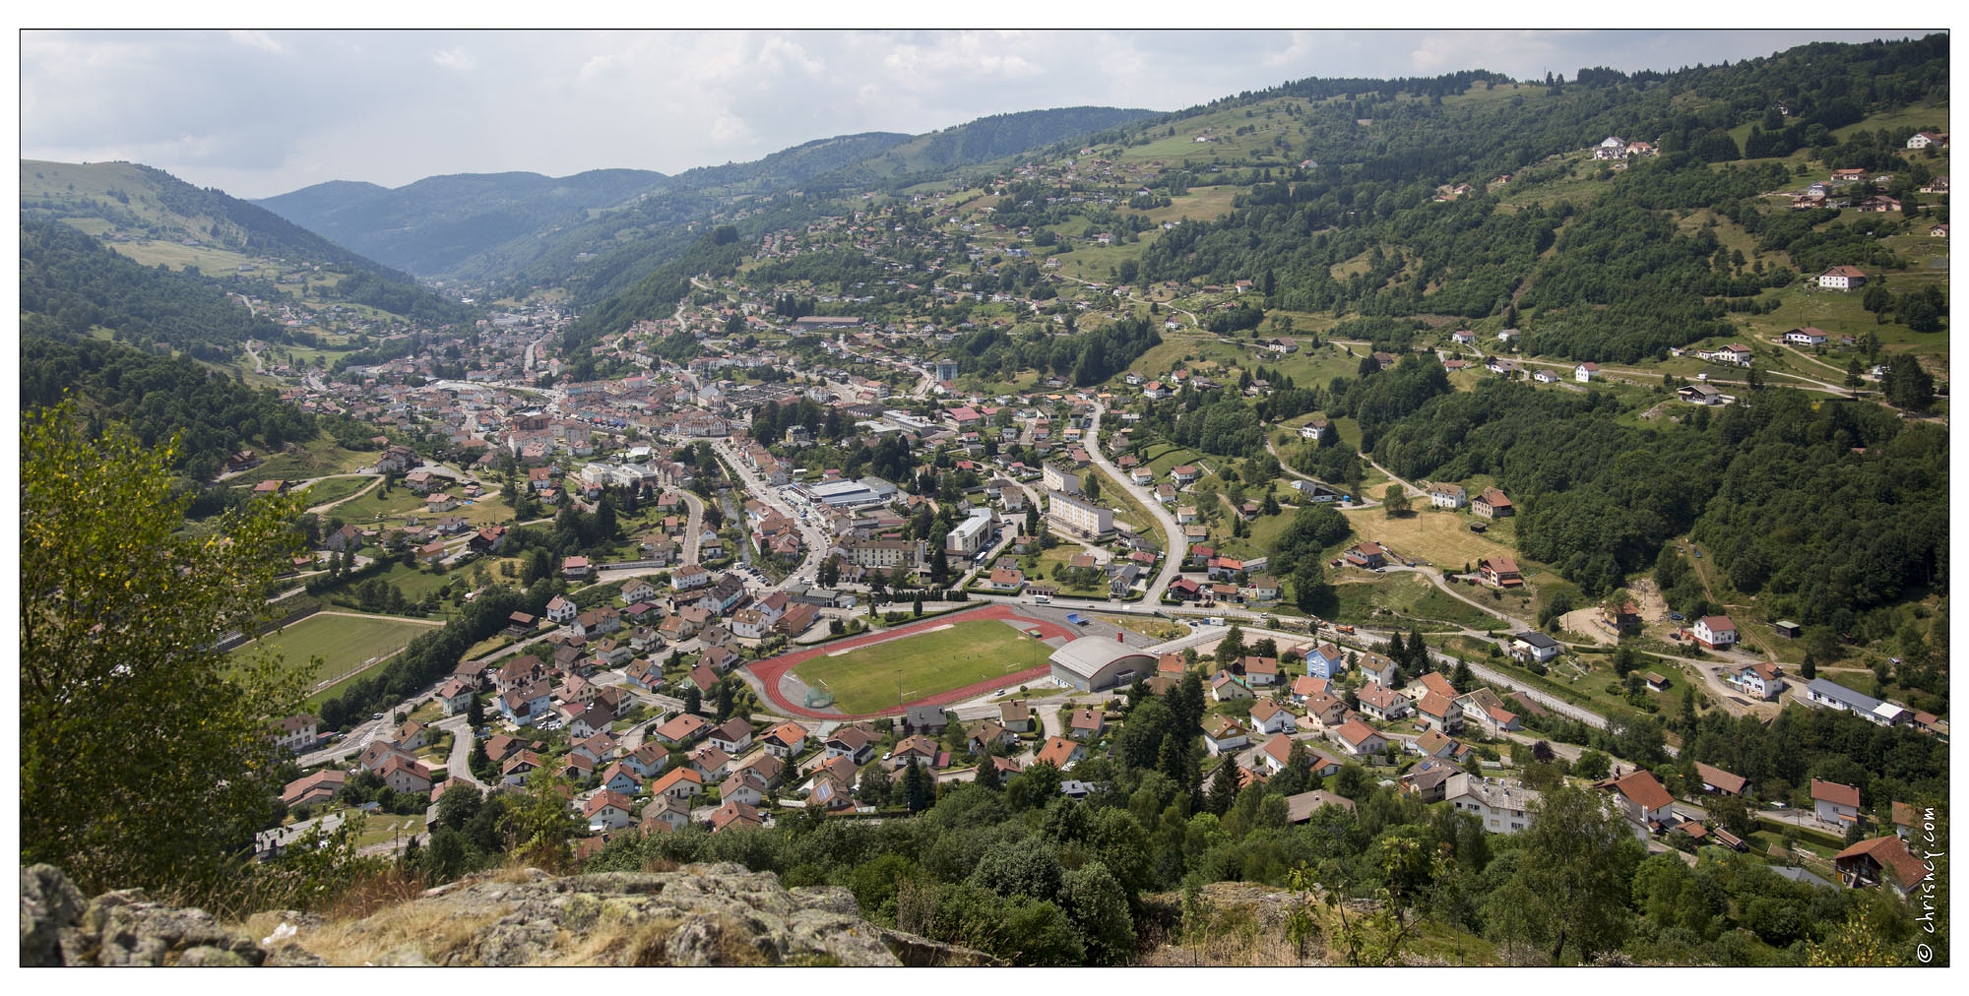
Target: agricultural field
1407,597
1440,537
869,679
345,643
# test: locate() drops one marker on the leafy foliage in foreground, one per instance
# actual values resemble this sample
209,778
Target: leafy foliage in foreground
146,755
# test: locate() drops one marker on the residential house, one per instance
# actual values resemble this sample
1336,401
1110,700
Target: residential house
665,813
1325,661
1492,504
1382,702
1227,687
405,774
1087,724
1260,672
1301,807
1825,694
1721,782
1450,496
608,810
682,729
1440,713
1762,680
786,740
1884,861
1222,733
733,737
456,696
851,743
1366,554
1358,738
1533,645
1843,278
1379,669
1715,632
1500,571
1835,803
1326,707
1270,717
735,814
310,789
1484,708
1502,806
1016,716
1643,800
296,733
1061,753
682,783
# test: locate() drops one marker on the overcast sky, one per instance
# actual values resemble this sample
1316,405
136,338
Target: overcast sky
258,113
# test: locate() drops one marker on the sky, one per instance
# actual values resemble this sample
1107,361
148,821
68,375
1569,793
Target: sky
261,112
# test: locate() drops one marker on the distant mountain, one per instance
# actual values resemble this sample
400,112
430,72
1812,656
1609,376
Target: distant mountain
596,233
154,217
431,226
1003,135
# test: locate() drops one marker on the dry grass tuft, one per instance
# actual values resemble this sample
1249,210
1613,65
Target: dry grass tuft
641,944
387,886
437,930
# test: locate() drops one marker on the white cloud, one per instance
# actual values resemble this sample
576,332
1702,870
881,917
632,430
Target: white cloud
256,39
455,59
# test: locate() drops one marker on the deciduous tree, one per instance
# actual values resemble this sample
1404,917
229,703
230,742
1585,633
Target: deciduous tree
146,750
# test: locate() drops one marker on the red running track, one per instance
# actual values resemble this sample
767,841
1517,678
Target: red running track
771,670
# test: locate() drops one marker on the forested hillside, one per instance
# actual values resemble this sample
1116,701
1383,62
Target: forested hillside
1607,274
71,284
158,396
140,206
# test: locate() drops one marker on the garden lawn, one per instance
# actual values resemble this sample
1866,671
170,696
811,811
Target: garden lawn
865,680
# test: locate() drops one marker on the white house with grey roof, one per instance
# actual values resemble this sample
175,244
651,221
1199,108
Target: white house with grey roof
1832,695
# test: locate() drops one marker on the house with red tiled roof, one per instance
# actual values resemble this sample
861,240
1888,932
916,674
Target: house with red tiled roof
735,815
1500,571
1222,733
785,740
1440,713
1306,686
1270,717
1880,861
1087,724
1643,800
680,783
1492,504
1715,632
608,810
1383,703
1717,780
1358,738
1843,278
1061,752
682,729
1835,803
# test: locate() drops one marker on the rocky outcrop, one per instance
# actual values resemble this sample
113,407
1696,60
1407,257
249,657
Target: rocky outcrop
697,915
120,928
